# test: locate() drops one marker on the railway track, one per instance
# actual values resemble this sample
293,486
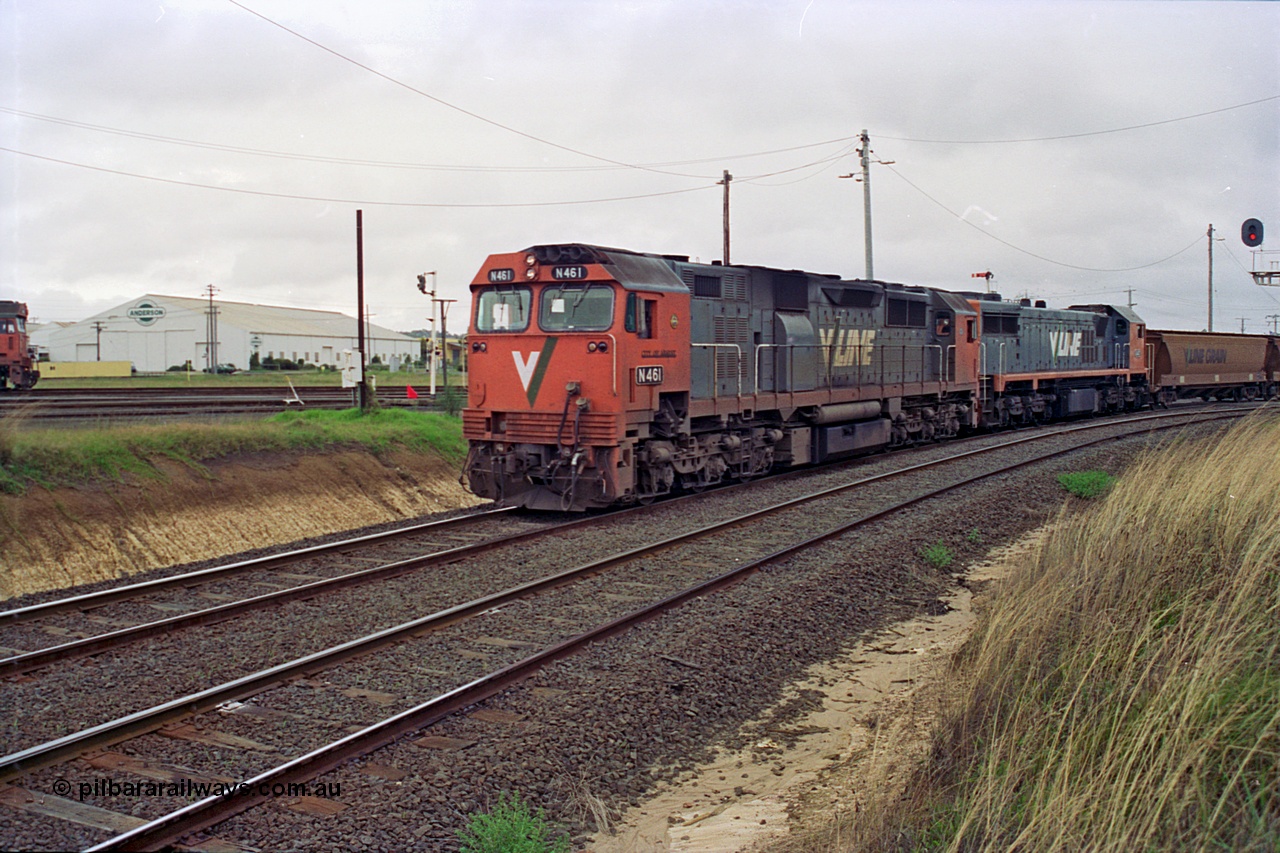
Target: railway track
71,405
393,552
317,570
586,603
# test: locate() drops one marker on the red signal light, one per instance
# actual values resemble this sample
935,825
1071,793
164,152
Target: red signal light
1251,233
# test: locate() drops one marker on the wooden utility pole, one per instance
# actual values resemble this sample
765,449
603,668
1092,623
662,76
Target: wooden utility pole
725,183
444,347
211,331
362,386
865,153
1210,234
864,158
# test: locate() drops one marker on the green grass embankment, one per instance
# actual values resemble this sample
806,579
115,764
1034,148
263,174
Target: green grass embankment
54,457
1122,692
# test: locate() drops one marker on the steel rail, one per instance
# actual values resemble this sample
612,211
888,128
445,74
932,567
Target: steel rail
132,403
87,646
25,662
91,600
150,719
169,829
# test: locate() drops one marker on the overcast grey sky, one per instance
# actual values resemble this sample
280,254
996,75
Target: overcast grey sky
170,144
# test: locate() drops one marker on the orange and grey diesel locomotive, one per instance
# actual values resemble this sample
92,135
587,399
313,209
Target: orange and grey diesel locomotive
17,359
603,376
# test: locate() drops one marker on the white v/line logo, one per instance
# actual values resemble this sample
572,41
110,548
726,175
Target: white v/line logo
525,367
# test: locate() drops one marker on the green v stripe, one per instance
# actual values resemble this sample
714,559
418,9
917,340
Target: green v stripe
541,370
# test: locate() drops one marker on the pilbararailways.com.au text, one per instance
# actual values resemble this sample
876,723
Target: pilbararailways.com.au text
188,789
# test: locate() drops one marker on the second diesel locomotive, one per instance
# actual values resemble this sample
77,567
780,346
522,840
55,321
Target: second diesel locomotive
17,360
603,376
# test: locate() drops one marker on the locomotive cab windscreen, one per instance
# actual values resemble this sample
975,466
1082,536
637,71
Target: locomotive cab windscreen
503,308
576,308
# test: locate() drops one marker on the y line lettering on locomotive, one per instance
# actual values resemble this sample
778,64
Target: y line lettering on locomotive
1065,343
602,376
847,347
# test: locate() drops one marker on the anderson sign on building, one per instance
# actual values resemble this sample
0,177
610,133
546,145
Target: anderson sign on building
146,312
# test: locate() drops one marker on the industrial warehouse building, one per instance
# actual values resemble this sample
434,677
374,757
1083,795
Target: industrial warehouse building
156,332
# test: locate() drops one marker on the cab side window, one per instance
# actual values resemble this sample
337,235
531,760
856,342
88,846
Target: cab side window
640,314
942,324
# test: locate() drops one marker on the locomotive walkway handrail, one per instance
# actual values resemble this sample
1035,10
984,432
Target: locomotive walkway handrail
715,367
942,377
613,348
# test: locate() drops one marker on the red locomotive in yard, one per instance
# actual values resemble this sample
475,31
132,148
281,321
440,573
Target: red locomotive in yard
602,376
17,360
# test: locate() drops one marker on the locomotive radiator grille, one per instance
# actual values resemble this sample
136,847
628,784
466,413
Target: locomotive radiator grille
597,428
731,330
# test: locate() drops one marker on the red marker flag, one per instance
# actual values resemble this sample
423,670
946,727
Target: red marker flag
410,393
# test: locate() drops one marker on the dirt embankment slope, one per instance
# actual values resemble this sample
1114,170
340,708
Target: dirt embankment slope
56,538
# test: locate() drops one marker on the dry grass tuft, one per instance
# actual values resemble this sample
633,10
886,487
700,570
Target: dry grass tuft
583,806
1121,692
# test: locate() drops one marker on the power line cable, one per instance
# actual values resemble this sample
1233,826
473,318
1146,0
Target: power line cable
368,202
1248,273
1079,135
1033,254
316,158
821,165
455,107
